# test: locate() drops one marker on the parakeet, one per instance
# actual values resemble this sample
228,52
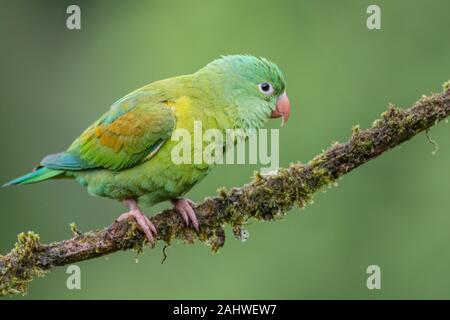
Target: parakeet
126,154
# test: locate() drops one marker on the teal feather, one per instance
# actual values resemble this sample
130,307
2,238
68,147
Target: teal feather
65,161
35,176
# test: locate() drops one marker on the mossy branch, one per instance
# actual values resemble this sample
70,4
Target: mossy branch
265,198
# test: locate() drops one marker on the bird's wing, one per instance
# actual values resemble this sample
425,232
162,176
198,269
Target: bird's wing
131,132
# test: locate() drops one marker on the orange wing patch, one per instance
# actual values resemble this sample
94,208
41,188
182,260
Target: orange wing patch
129,125
131,130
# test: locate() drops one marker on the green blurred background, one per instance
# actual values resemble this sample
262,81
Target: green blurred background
392,212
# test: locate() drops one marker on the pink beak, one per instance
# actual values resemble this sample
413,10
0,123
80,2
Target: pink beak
283,109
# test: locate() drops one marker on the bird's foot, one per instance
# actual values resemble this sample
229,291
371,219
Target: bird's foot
185,208
143,223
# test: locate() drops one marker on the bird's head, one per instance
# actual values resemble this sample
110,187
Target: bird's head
255,87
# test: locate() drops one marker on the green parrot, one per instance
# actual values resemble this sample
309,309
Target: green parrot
126,154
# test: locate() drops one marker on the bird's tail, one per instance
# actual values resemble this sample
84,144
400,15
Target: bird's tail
40,174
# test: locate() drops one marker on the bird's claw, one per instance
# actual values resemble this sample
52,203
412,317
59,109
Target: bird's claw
185,208
143,222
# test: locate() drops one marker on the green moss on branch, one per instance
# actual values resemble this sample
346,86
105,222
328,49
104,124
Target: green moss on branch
266,197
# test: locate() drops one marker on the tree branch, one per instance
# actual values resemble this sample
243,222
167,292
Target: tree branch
265,198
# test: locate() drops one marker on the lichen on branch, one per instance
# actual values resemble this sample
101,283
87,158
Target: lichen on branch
266,197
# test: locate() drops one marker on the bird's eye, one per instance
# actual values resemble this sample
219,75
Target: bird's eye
266,88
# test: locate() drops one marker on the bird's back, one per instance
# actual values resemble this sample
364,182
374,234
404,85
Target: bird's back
161,178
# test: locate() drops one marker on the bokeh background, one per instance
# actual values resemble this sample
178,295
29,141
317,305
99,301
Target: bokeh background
392,212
